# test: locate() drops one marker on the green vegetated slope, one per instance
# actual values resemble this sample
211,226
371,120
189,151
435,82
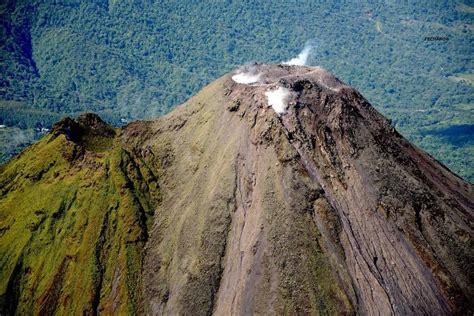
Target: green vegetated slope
73,225
136,60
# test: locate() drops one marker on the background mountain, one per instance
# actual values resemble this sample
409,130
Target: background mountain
223,206
129,60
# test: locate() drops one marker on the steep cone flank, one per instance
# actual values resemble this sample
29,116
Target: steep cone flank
324,208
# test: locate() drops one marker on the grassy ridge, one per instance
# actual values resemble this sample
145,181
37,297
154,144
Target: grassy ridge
72,229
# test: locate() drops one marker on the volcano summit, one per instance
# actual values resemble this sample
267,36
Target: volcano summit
279,191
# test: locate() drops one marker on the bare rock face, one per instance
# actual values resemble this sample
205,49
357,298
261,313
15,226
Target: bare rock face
324,208
284,194
86,125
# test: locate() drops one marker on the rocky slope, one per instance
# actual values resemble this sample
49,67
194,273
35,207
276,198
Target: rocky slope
226,207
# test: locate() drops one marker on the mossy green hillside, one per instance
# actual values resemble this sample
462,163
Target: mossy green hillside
73,227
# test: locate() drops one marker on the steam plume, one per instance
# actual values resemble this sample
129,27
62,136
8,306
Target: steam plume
302,57
246,78
278,99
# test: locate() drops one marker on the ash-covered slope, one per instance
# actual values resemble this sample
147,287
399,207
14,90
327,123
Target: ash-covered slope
320,208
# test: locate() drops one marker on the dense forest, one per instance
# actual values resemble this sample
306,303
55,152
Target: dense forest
133,60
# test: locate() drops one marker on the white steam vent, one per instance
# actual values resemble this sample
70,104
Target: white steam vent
302,57
278,99
246,78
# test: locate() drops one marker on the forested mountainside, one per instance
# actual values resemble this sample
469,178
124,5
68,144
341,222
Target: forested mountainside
226,206
129,60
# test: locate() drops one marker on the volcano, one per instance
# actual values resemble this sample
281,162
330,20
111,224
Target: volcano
230,205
